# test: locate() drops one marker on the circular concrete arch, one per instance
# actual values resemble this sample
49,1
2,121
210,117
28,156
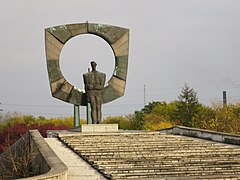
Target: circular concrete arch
57,36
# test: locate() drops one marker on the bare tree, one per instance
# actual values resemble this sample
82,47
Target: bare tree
17,161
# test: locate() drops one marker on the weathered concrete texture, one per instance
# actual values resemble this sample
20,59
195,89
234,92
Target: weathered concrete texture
118,85
78,169
77,29
121,70
54,72
89,128
43,162
204,134
109,94
108,32
55,86
53,47
77,97
57,36
121,46
63,91
62,33
58,170
152,155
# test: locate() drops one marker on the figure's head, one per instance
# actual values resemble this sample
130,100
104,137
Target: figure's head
93,64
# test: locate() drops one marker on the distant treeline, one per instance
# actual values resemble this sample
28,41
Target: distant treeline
186,111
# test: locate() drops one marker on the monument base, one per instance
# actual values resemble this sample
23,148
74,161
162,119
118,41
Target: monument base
99,128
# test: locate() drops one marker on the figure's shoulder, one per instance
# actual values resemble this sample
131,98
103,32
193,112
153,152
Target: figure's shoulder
100,73
86,74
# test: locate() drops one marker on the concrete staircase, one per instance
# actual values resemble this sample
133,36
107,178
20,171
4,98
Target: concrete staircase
152,155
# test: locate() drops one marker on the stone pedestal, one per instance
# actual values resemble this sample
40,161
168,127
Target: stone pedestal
99,128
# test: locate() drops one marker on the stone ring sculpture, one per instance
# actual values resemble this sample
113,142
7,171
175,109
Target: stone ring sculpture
55,39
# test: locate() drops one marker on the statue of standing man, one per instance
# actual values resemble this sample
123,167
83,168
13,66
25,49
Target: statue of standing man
94,83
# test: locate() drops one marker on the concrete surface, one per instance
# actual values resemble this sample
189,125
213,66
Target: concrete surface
78,169
148,155
204,134
85,128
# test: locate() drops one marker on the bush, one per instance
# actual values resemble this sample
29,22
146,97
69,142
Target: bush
205,119
17,125
219,118
155,122
123,122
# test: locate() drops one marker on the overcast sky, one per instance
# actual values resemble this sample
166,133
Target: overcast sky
172,42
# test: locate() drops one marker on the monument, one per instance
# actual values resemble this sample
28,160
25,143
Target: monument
94,83
118,40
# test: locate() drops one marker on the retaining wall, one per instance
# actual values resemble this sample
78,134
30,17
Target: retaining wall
204,134
44,163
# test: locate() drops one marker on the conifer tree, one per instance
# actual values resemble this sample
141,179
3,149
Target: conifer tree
187,105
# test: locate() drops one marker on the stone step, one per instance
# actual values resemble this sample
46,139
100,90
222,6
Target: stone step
179,171
203,164
174,173
149,146
154,149
213,177
84,138
165,163
116,143
84,177
153,164
157,140
150,174
156,156
129,137
170,168
171,155
89,143
135,141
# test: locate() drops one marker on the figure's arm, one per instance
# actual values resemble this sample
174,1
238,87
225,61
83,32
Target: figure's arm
98,86
103,80
89,86
86,84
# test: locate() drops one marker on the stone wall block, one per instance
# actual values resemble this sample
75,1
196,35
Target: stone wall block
77,29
